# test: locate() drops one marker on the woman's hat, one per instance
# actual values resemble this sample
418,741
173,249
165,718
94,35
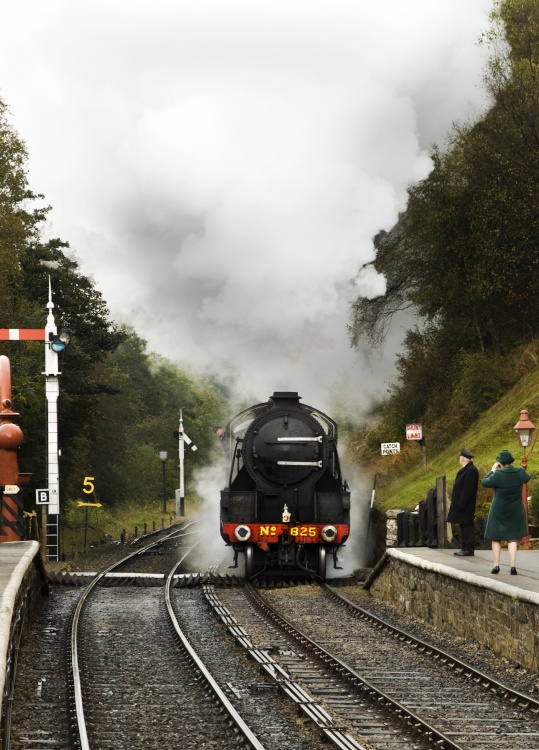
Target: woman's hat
505,457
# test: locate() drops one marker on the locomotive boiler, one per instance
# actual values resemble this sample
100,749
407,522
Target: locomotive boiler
286,506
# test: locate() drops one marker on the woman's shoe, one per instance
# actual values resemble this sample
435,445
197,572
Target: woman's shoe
496,570
514,571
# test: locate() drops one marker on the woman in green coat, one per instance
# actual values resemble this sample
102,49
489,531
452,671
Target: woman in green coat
507,518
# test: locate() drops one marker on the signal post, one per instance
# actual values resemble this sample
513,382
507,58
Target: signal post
55,342
182,438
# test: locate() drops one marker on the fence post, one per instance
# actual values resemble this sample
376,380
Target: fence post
403,529
440,512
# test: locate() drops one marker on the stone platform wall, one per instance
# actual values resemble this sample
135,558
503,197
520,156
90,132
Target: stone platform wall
508,624
17,598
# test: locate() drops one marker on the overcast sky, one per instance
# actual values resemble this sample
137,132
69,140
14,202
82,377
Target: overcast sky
220,166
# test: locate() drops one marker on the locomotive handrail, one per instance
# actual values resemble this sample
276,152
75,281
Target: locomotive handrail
318,439
318,464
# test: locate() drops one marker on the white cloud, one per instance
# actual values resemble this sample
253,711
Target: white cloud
221,167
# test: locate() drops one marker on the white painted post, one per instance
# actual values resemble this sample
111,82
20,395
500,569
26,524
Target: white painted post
180,500
51,391
183,439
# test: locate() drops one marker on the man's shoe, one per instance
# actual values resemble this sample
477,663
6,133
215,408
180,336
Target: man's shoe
463,553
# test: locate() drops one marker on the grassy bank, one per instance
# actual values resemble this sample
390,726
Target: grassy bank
492,432
90,527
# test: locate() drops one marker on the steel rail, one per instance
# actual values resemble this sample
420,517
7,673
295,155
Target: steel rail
75,677
201,667
524,702
377,697
305,703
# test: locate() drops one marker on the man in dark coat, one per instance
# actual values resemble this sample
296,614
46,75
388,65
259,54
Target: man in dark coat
463,499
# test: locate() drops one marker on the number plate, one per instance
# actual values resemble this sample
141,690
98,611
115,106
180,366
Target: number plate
303,531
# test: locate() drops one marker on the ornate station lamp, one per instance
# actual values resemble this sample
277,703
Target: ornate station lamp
525,430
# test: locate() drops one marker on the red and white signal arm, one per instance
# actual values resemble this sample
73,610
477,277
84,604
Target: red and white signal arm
414,432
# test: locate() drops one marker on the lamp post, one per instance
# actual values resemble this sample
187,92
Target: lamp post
163,455
524,429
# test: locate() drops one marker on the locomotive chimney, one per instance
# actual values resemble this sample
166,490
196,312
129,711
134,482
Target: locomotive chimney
284,398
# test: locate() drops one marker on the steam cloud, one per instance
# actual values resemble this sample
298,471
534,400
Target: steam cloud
220,168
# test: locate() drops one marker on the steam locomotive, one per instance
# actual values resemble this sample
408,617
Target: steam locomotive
285,506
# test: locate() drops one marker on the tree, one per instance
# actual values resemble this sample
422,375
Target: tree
136,419
463,255
118,405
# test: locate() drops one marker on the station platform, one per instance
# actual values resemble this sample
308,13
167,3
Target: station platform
525,585
460,596
22,578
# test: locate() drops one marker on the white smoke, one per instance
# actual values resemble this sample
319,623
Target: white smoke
221,167
208,484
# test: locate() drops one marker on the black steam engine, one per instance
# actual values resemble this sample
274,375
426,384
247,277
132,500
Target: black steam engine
285,506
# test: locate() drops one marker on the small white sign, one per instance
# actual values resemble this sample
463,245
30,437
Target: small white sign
414,432
42,497
11,489
390,449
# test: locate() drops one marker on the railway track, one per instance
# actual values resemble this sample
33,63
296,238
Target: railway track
121,633
39,714
386,688
123,690
133,685
358,681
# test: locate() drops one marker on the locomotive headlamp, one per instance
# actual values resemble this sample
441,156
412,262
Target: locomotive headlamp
242,533
329,533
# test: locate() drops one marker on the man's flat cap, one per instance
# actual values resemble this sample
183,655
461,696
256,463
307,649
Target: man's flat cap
466,454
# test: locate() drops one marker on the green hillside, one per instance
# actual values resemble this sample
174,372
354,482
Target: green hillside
492,432
462,261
